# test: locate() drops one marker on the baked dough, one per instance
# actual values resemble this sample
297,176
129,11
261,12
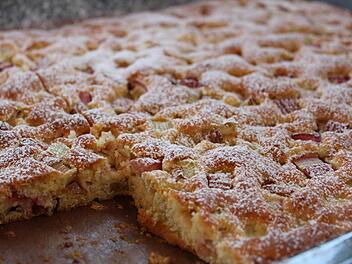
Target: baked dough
229,122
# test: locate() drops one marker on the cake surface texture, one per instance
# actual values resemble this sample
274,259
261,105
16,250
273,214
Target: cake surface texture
228,122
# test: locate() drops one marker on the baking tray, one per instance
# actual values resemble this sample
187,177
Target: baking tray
107,232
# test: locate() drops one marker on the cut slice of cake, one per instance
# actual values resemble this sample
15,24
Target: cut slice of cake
228,122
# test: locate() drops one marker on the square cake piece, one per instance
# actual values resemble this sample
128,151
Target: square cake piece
228,122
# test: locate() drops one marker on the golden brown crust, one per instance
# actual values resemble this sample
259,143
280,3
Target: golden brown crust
160,229
235,115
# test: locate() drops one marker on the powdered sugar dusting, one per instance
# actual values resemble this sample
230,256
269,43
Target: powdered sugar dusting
240,112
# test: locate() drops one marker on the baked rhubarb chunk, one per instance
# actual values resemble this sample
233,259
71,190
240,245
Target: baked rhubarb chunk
228,122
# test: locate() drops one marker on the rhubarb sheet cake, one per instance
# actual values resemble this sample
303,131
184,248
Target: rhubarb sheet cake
229,123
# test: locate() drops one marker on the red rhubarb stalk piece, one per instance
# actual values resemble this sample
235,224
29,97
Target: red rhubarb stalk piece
85,97
306,136
140,165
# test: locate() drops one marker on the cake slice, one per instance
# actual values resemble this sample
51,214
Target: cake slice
228,122
57,176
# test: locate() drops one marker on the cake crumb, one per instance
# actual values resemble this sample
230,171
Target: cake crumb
75,256
155,258
97,206
120,252
10,233
119,206
66,229
46,259
67,245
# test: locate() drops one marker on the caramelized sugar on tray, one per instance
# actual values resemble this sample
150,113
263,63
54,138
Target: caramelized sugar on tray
229,122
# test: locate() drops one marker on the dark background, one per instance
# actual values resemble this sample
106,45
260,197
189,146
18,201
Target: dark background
27,13
47,13
343,3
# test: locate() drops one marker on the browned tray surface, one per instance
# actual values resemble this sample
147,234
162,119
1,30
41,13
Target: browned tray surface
109,234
